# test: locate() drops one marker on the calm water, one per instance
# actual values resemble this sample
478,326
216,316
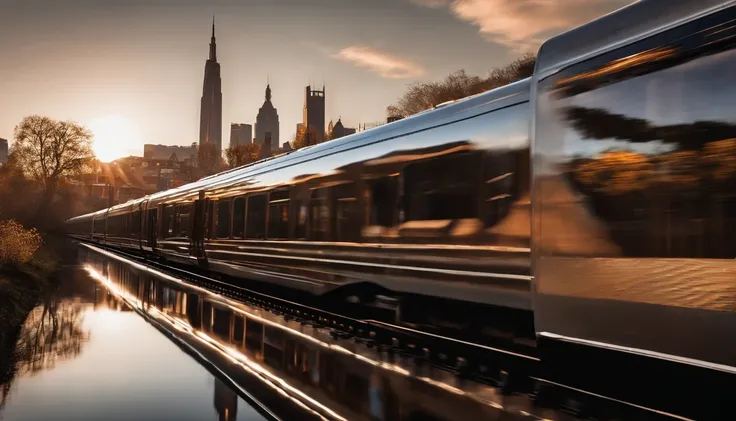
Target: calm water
119,341
82,356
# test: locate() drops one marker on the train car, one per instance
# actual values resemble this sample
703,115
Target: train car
634,199
432,205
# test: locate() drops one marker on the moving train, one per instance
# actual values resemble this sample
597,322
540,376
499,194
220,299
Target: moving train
598,196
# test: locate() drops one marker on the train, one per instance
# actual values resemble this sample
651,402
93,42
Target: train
598,197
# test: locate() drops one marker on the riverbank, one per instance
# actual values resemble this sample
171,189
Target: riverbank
21,284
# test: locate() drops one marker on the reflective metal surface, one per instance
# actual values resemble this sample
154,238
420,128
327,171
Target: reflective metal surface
436,204
632,23
635,197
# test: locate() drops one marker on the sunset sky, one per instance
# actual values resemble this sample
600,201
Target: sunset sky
132,69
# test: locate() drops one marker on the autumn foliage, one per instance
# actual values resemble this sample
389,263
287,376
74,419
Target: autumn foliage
242,154
423,96
17,244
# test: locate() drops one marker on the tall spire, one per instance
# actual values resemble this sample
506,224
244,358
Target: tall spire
213,45
268,92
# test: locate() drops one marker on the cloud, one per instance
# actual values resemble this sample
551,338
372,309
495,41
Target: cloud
431,3
524,24
385,64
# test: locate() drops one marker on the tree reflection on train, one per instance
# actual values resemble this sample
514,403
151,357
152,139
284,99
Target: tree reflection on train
690,182
336,378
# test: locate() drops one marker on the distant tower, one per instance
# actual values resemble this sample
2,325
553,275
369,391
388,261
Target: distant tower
314,112
267,121
3,151
240,134
210,121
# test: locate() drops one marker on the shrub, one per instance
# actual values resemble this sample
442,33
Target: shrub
17,244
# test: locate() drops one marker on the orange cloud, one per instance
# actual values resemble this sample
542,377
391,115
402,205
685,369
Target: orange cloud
385,64
524,24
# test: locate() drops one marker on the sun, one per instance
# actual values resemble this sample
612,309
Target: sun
114,137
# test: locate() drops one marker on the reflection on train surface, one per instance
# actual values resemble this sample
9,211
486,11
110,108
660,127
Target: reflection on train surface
435,206
308,366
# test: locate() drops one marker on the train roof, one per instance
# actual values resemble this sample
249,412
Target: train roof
624,26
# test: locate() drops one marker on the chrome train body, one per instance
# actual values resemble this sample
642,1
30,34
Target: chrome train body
435,204
600,195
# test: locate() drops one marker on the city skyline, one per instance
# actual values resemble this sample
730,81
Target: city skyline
132,72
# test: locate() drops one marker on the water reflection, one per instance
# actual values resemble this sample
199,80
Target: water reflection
52,333
84,355
309,369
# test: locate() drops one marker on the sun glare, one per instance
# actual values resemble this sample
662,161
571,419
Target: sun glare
113,137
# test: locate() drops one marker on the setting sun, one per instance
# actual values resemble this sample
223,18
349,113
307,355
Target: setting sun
114,137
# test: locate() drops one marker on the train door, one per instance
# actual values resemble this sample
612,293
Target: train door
104,232
138,224
199,222
151,220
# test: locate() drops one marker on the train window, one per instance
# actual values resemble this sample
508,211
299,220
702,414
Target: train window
136,223
169,221
222,228
211,219
445,187
319,215
499,180
278,214
151,225
239,217
650,146
347,212
183,221
255,224
384,193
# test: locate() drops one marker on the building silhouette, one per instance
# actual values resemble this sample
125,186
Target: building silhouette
240,134
210,123
267,121
185,154
314,112
339,130
226,402
3,151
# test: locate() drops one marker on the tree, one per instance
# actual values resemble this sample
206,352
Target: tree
423,96
242,154
207,159
49,151
305,137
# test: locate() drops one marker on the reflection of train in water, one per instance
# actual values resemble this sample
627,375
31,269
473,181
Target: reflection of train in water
336,378
633,205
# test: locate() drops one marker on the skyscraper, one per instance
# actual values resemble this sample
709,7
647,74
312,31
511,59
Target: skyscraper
3,151
240,134
314,112
210,123
267,121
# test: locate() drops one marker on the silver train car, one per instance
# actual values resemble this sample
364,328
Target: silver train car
436,204
599,196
